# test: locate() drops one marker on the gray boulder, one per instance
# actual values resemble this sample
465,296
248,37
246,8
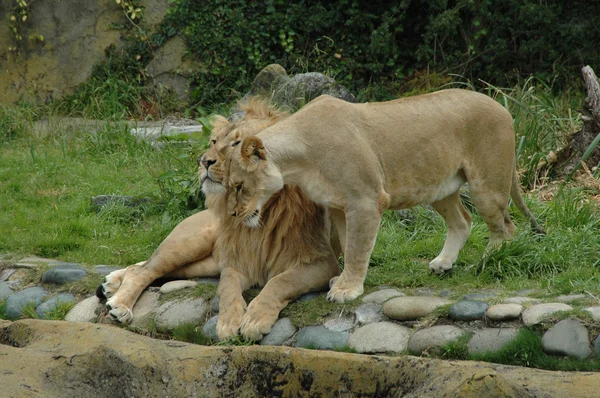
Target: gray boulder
16,302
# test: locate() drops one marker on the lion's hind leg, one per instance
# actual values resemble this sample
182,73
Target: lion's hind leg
458,221
264,310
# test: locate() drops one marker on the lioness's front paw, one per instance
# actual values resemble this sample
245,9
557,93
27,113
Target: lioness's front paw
257,322
227,327
439,265
119,312
112,282
341,291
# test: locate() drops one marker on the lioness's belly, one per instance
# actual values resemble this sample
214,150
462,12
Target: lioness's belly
413,194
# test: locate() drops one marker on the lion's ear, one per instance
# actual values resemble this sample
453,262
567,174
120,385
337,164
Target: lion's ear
218,122
253,147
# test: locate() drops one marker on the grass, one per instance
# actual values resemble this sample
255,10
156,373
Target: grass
3,314
190,333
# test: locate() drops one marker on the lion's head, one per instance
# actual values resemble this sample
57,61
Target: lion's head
226,135
251,181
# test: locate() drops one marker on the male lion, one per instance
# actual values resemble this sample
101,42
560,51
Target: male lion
187,251
361,159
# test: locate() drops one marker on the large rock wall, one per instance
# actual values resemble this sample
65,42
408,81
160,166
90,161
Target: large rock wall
76,34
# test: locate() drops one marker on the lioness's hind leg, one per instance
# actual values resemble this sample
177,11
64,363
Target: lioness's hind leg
458,221
264,310
493,208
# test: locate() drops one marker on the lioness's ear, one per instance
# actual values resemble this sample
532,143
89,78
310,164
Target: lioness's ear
218,122
253,146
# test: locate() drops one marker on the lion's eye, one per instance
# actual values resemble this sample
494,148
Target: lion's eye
236,143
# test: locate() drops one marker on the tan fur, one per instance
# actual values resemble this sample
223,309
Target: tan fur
187,251
360,159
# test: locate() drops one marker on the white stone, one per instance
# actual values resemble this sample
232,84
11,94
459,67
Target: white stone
173,286
175,313
412,307
534,314
594,311
380,337
503,312
491,339
340,324
144,309
368,313
84,311
382,296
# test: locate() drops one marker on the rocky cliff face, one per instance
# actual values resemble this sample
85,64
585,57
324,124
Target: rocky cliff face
56,358
76,34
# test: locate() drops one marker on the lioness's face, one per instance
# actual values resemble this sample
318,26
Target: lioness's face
250,182
226,135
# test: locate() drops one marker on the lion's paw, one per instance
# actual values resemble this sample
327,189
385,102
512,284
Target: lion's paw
439,265
341,291
257,322
227,328
111,284
119,312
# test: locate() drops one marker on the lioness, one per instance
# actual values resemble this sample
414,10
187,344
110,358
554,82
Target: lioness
187,251
361,159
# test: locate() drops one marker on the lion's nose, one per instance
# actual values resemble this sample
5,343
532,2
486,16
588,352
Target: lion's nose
207,163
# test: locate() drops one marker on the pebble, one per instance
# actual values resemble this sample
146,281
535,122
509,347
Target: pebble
534,314
214,304
144,309
281,332
468,310
380,337
568,337
5,290
175,313
341,324
173,286
17,301
368,313
382,296
43,309
520,300
321,338
491,339
210,328
571,297
594,312
309,296
433,337
84,311
503,312
64,273
412,307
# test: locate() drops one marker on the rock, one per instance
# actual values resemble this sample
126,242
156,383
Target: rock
64,273
479,296
570,298
433,337
173,286
207,281
341,324
382,296
32,262
568,337
468,310
101,201
214,305
309,296
175,313
503,312
534,314
491,339
380,337
145,308
5,290
411,308
16,302
43,309
210,328
424,291
281,332
597,347
84,311
594,312
520,300
321,338
5,274
369,313
105,269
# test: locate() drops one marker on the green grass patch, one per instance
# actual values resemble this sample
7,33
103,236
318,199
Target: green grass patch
527,350
29,311
60,311
190,333
316,311
3,314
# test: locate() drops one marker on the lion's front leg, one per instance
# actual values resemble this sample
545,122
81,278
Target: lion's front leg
264,310
232,305
112,283
362,226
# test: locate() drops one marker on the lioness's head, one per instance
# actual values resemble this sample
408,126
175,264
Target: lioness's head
226,135
251,181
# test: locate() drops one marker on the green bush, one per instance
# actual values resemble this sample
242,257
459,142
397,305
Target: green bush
360,43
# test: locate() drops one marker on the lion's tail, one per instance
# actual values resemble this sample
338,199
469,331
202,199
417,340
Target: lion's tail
515,194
